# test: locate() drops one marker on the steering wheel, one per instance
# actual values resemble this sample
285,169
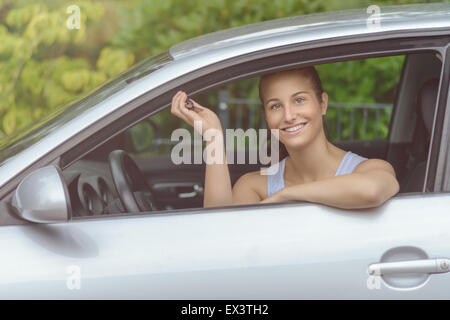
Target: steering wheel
134,193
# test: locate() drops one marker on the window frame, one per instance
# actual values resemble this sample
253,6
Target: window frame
150,107
440,159
331,59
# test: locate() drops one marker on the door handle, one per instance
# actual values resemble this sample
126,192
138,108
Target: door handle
413,266
197,189
182,190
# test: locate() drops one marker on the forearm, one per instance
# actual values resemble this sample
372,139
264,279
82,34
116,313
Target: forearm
218,190
350,191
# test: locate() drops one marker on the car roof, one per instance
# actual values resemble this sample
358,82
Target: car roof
325,25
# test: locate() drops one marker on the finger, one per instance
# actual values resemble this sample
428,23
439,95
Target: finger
181,111
175,98
181,100
176,110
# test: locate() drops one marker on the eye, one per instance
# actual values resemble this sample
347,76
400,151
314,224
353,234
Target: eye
275,106
299,100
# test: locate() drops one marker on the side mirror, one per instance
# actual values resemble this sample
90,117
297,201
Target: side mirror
43,197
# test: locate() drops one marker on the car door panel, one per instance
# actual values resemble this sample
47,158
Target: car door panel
271,252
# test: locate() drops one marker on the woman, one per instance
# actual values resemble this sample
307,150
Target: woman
314,170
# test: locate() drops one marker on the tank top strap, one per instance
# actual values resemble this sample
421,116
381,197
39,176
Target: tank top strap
275,182
349,163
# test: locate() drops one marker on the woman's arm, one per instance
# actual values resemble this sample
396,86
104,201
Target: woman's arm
245,190
371,184
217,177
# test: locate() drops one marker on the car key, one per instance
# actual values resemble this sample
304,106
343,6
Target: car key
189,104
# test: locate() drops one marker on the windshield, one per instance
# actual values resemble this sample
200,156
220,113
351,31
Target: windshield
32,133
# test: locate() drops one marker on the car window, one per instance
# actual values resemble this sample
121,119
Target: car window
361,99
361,93
368,101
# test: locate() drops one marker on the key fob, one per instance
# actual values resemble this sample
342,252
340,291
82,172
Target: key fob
189,104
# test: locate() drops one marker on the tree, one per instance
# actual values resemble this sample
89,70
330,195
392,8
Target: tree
46,60
152,26
38,70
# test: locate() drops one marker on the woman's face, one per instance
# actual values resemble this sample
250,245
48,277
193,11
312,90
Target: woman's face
291,105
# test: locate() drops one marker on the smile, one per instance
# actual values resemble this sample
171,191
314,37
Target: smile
295,129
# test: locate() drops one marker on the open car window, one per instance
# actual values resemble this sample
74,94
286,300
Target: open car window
378,108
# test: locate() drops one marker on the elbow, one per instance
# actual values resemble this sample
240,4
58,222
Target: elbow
374,198
378,194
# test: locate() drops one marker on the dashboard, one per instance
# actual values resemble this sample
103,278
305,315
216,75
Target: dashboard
91,190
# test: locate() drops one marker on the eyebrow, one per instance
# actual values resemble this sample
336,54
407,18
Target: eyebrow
275,99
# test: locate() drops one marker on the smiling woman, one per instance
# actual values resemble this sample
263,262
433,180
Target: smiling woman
314,170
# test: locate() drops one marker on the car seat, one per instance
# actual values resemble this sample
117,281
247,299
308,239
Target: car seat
418,153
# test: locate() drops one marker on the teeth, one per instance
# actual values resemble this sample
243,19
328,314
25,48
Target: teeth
295,128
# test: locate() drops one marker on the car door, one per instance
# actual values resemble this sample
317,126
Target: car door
276,251
283,251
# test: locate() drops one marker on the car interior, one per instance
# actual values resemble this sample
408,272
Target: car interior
144,171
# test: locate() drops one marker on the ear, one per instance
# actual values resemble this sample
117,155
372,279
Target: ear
324,103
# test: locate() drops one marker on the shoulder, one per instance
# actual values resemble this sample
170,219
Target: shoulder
252,179
250,185
383,176
374,164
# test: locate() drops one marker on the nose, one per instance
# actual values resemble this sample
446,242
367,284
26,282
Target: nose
289,114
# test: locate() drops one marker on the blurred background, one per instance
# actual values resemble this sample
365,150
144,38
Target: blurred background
44,63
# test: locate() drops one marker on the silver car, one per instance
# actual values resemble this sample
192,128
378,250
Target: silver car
87,214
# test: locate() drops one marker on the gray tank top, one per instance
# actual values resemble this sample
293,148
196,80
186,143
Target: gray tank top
275,182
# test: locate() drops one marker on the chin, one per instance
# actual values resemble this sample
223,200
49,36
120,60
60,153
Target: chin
298,142
295,145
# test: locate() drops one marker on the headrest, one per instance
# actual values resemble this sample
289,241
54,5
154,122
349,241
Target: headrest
427,102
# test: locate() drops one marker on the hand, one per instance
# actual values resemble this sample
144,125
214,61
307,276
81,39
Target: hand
270,199
276,197
208,118
279,196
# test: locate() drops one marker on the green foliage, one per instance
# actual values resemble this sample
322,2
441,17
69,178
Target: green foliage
362,82
43,63
151,26
38,69
113,61
142,136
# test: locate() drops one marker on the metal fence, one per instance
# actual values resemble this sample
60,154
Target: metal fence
345,121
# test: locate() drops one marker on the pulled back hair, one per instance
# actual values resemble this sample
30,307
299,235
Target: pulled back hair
309,73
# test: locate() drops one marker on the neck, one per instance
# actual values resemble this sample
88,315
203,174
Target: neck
319,159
